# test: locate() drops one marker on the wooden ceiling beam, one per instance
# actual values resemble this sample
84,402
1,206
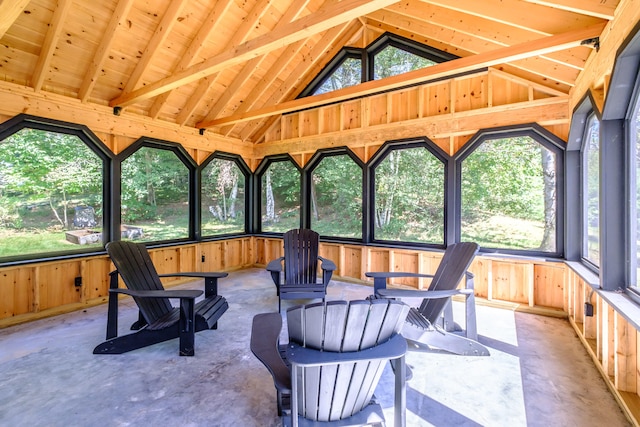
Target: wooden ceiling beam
208,29
169,19
249,24
91,76
49,44
315,23
462,65
10,10
596,8
291,14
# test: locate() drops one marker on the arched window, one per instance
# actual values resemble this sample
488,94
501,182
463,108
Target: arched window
510,192
222,197
52,179
279,195
409,196
156,191
336,196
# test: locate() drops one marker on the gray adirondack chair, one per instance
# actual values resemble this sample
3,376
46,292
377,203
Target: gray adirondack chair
430,327
300,261
158,320
337,351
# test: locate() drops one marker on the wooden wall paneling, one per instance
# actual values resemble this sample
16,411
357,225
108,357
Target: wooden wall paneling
352,265
330,251
399,106
309,123
379,260
16,288
213,253
233,254
56,284
187,258
406,262
95,278
481,269
590,323
260,244
427,264
290,126
511,281
378,110
352,115
330,118
549,285
625,378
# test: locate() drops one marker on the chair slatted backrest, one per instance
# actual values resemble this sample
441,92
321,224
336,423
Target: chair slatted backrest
300,256
456,261
134,265
334,392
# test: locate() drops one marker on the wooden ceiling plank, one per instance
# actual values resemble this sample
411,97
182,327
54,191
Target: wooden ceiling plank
49,44
91,76
602,9
169,19
10,10
292,13
456,66
302,28
208,29
251,21
528,16
332,42
479,42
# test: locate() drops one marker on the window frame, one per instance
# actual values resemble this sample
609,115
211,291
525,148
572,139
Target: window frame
548,141
584,196
305,201
193,196
378,158
26,121
246,172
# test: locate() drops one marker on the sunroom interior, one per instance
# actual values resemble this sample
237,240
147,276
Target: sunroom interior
206,129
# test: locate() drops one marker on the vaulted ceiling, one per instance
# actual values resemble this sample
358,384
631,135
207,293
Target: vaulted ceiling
232,66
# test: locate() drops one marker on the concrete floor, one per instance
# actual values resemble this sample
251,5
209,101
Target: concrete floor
538,373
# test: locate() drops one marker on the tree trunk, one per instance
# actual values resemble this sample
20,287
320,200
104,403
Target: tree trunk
233,197
548,243
314,200
270,205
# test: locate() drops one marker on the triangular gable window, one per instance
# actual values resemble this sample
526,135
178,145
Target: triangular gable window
392,61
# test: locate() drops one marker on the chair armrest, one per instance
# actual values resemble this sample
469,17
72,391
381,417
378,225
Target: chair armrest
380,278
392,349
275,265
425,294
265,333
210,280
327,264
172,293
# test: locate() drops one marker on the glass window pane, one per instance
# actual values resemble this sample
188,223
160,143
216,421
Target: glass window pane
349,73
155,196
508,196
591,159
409,198
336,197
50,194
391,61
222,201
635,192
280,206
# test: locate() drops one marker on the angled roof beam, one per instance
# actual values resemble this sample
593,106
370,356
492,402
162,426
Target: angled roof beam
10,10
49,44
159,36
596,8
315,23
444,69
91,76
208,28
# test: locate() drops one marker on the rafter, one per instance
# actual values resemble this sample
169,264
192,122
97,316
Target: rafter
304,27
249,23
159,36
91,76
461,65
49,44
208,29
249,68
10,10
596,8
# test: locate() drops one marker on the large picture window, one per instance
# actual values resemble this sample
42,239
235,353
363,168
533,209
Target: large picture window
280,197
336,197
634,139
51,194
409,197
509,195
155,195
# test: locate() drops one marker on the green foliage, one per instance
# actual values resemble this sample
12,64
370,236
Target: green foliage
349,73
392,61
